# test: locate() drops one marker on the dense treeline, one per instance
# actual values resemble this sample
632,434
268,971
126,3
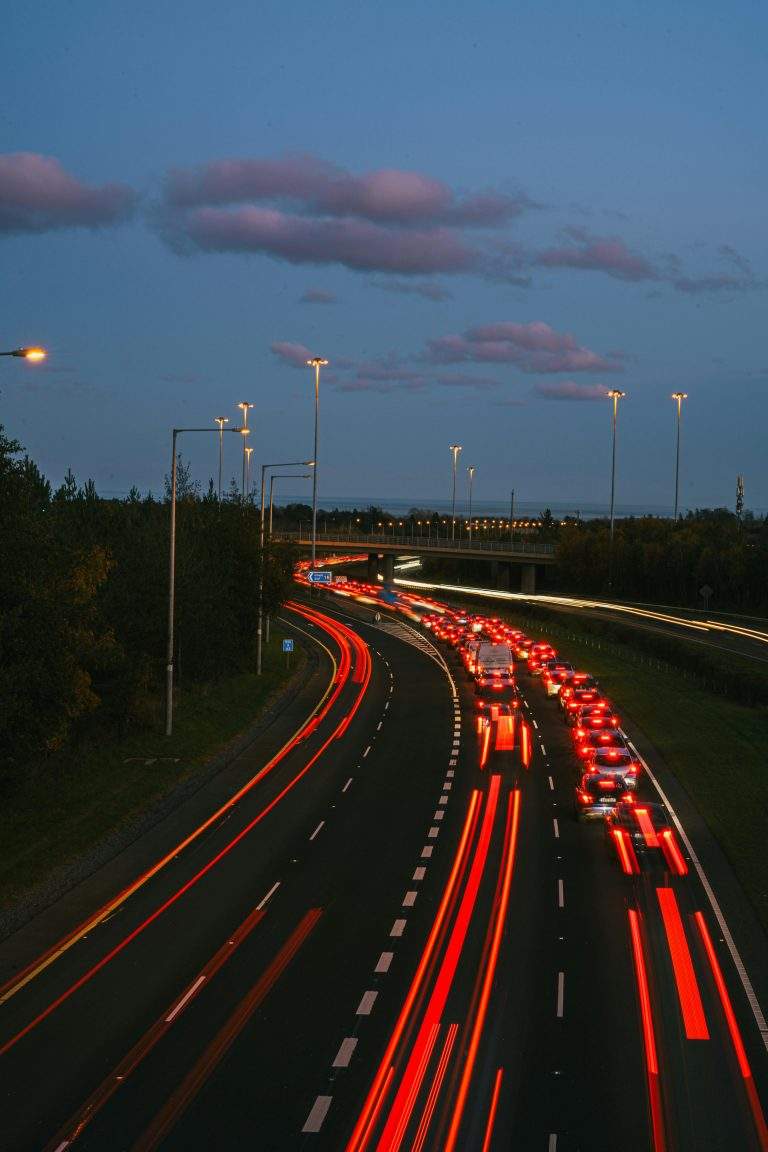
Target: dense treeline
83,603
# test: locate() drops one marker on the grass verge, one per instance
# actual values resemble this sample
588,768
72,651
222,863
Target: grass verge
54,819
715,746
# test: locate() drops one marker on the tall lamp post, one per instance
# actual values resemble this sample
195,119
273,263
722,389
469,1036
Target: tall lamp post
221,421
248,454
679,397
511,517
172,571
615,395
316,362
244,406
455,450
264,469
33,354
471,475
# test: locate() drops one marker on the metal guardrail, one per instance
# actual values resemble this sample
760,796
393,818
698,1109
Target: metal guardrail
424,543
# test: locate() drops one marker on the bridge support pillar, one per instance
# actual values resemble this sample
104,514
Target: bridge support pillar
389,568
373,567
494,573
528,578
503,579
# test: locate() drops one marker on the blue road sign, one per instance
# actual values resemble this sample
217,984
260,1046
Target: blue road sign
287,645
320,576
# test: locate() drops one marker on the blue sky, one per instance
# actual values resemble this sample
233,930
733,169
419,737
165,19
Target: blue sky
620,241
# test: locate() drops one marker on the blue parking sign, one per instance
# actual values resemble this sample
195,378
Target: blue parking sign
287,645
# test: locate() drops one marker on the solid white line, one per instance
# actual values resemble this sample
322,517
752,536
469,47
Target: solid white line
365,1006
64,1144
318,1113
560,992
426,851
560,895
188,995
269,894
384,961
738,963
344,1054
409,899
398,928
552,1146
556,826
551,784
432,834
366,751
317,829
347,784
420,873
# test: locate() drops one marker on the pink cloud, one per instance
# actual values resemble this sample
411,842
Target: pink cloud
534,347
357,244
569,390
38,195
389,195
294,354
599,254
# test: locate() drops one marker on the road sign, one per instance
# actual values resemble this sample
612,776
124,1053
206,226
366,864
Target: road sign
287,645
340,580
320,576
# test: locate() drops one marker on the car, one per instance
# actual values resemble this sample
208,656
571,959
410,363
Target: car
582,698
592,717
617,762
580,681
554,674
522,647
494,681
595,795
643,832
538,654
599,738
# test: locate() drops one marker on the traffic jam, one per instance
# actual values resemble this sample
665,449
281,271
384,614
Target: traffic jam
688,1025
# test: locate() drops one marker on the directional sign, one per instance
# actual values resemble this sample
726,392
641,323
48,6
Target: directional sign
320,576
340,580
287,645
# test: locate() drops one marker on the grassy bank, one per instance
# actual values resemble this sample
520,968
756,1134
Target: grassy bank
715,746
53,819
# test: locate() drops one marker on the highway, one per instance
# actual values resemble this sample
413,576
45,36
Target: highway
391,934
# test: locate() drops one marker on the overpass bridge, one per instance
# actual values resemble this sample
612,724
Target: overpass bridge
382,550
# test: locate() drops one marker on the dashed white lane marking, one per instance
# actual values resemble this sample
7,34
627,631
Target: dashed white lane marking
347,784
384,961
450,773
556,827
560,895
551,784
426,852
172,1015
391,689
456,745
317,829
543,749
269,895
409,899
365,1007
344,1054
439,814
420,873
560,993
443,800
64,1144
552,1146
317,1114
378,726
432,834
386,705
535,724
453,763
398,928
366,751
447,786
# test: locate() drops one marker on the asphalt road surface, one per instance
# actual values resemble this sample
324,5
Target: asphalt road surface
396,937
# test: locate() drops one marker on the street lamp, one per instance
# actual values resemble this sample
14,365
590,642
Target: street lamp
264,468
221,421
455,450
471,474
316,362
244,405
679,397
248,454
614,395
33,354
172,571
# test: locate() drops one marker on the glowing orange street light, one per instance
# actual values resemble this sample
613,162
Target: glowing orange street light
33,354
316,362
678,397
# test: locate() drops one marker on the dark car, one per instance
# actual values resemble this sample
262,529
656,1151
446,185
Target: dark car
642,835
600,738
596,795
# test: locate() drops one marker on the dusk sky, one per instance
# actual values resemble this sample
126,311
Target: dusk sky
484,215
